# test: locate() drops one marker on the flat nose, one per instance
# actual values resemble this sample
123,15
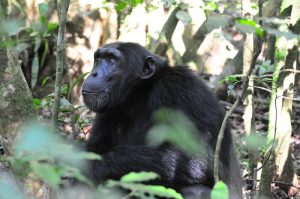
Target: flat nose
94,73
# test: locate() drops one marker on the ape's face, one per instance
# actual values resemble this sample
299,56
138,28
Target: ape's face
115,73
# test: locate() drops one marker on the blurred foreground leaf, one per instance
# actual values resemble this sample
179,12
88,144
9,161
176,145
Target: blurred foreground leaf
174,127
139,177
12,26
145,191
43,152
220,191
47,172
249,26
8,189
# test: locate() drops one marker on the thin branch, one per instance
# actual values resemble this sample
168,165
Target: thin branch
277,182
165,37
197,40
231,110
238,100
290,70
220,138
60,59
284,97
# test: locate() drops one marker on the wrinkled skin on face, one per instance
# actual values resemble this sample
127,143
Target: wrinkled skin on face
114,76
97,87
105,80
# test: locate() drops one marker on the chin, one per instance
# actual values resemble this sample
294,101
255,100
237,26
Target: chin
96,102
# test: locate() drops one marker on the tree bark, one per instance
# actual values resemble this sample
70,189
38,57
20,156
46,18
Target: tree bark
60,59
160,47
16,105
197,39
286,82
281,110
249,116
271,9
269,158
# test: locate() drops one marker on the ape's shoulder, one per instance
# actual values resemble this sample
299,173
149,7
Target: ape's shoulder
184,80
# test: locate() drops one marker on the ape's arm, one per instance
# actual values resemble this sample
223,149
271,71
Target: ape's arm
173,166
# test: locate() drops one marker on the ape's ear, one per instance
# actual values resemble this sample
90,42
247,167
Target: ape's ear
149,68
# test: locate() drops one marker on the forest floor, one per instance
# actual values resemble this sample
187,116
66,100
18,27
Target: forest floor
261,111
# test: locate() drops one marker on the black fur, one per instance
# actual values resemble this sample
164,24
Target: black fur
127,85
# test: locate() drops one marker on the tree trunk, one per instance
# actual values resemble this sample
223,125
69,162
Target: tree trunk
274,109
271,9
15,97
286,82
249,116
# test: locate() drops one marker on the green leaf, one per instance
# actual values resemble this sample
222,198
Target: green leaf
134,3
12,27
216,21
47,155
184,17
287,34
64,102
46,49
36,101
8,188
64,89
52,26
162,191
19,166
34,33
249,26
45,80
47,172
139,190
65,105
255,142
211,6
75,172
232,79
230,88
43,9
176,128
35,63
139,177
169,3
22,46
220,191
34,70
265,67
88,156
120,6
36,139
77,81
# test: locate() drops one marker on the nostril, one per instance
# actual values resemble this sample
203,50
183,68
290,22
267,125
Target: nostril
94,74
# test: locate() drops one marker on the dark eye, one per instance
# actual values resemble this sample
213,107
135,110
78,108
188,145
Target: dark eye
98,59
111,60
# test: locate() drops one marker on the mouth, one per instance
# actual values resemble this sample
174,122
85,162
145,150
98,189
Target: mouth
90,93
95,101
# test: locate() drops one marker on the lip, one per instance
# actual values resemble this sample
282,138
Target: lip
90,93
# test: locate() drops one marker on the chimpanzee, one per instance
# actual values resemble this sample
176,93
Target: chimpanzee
127,85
